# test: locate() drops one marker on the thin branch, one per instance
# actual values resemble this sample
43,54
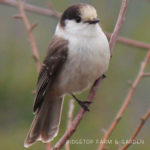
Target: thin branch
54,13
130,42
126,101
35,53
31,36
48,146
34,9
17,16
137,130
69,124
67,145
118,26
70,114
140,75
146,75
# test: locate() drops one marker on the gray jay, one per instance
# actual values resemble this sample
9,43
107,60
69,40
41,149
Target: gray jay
77,55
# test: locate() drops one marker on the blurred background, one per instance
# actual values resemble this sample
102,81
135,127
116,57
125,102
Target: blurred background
18,76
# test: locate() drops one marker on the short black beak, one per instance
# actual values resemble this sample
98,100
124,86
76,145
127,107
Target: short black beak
93,21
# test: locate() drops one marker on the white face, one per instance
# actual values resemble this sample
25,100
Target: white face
81,28
79,20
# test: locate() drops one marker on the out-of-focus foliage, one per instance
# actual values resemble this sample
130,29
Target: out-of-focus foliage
18,76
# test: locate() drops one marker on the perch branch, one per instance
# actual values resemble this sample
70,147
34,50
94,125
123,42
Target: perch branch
137,130
126,101
54,13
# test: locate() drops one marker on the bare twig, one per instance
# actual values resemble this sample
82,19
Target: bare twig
54,13
118,26
70,114
48,146
33,26
133,87
29,29
146,74
130,42
69,124
17,16
31,36
137,130
31,8
126,101
67,145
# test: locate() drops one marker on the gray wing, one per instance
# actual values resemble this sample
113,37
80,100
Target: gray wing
52,65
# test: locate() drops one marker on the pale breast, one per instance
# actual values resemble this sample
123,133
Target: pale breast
86,62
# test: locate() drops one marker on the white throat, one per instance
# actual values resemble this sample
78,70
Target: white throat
73,29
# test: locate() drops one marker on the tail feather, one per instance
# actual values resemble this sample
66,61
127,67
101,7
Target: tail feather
45,125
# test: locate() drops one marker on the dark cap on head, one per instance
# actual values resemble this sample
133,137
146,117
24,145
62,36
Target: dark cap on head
73,12
78,13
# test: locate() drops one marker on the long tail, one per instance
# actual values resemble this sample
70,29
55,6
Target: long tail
45,125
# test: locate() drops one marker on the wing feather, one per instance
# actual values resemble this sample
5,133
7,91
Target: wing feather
52,65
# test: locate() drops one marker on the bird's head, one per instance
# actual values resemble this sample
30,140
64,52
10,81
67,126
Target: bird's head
78,19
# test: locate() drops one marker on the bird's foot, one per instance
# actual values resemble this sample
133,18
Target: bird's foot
104,76
83,104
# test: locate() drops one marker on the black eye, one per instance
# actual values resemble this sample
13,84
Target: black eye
78,19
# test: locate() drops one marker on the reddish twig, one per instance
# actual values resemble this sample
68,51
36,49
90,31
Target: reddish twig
130,42
70,114
54,13
118,26
146,75
31,8
113,40
67,145
48,146
69,124
126,101
31,36
137,130
29,29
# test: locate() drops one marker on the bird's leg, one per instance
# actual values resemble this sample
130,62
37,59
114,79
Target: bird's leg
83,104
104,76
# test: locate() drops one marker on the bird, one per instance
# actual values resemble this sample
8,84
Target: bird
77,55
